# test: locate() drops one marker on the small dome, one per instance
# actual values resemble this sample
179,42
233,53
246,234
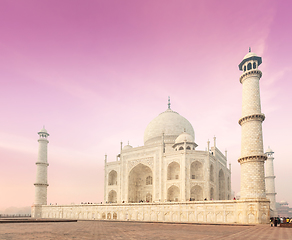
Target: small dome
248,57
250,54
269,150
127,147
43,130
184,137
169,123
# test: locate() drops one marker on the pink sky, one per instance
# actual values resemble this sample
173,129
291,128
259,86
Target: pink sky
97,72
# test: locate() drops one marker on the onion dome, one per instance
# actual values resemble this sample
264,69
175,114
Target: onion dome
269,150
248,57
126,147
169,124
184,137
43,131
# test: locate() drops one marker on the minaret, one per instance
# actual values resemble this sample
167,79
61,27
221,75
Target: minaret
41,184
270,182
105,179
252,154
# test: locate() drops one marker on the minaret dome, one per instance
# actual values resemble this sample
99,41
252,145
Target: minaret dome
249,62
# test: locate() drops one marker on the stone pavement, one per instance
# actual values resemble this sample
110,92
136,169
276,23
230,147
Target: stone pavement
138,230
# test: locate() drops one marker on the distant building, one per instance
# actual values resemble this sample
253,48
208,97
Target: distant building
283,209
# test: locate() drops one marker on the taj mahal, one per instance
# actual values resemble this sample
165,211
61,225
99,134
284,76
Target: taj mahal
169,180
168,167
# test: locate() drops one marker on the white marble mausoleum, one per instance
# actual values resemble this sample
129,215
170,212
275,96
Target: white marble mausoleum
168,168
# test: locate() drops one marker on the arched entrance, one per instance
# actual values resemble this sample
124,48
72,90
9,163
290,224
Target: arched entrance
197,170
140,184
173,170
148,197
112,178
112,196
221,185
173,194
197,193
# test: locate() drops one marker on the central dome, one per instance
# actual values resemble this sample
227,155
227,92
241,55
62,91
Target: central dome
171,124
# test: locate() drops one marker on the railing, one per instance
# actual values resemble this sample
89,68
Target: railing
14,215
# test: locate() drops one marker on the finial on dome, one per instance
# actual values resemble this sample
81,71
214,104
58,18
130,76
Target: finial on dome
249,50
43,132
168,102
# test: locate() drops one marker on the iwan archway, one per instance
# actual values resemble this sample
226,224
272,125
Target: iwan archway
140,187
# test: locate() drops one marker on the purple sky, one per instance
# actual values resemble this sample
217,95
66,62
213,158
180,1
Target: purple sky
97,72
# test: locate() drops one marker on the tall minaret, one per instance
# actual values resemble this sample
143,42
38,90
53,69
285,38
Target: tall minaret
252,154
270,182
42,164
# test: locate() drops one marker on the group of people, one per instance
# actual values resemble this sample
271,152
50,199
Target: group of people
276,220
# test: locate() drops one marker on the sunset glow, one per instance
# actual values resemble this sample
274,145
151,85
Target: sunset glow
95,73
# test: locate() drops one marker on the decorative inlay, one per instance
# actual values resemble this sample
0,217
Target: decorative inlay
199,160
146,161
192,184
173,160
173,184
138,155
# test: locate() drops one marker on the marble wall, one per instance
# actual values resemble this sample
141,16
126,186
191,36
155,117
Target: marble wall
227,211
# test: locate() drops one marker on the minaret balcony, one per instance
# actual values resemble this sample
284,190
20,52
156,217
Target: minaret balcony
41,184
250,73
44,163
270,177
254,158
254,117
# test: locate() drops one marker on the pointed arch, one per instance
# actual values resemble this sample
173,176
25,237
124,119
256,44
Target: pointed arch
222,190
173,194
197,170
196,193
137,187
112,196
148,197
173,171
112,178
